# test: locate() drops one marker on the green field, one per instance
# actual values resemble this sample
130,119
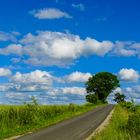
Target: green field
124,124
15,120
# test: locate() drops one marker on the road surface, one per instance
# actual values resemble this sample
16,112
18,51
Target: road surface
77,128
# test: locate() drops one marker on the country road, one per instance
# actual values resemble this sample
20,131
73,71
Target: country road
77,128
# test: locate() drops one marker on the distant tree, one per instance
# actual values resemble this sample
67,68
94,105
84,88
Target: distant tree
92,98
101,85
119,97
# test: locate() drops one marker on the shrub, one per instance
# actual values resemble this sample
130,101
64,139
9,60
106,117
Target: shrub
119,97
126,105
92,98
133,124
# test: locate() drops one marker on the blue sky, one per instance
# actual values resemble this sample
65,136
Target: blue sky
49,48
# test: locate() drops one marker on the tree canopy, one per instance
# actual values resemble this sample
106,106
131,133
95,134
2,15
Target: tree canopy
92,98
102,84
119,97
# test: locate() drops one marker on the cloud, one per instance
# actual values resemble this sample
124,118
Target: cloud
56,48
129,75
27,82
79,6
73,90
24,87
5,87
41,85
65,95
50,13
12,49
133,93
5,36
56,95
16,98
136,46
15,33
67,91
48,48
77,77
124,49
39,81
125,52
5,72
48,89
17,94
118,89
36,76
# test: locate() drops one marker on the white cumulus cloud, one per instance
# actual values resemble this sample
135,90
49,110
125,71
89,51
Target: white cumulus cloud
12,49
8,36
55,48
133,92
5,72
63,91
124,49
128,75
77,77
73,90
50,13
36,76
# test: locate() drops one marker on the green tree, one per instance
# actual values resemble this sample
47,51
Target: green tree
102,85
92,98
119,97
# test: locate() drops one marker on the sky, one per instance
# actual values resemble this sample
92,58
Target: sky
49,48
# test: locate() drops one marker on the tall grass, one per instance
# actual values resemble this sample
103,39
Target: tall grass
16,120
117,128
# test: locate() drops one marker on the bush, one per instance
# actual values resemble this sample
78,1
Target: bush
92,98
126,105
119,97
133,124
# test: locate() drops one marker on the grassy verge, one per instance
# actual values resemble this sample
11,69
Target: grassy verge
115,131
124,125
16,120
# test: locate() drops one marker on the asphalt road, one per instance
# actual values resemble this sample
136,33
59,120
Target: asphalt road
77,128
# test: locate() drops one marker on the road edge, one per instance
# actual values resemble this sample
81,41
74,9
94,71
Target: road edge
102,125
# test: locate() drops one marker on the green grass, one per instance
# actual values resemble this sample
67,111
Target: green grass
15,120
117,130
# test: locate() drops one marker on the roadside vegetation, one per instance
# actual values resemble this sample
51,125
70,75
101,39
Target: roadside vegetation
15,120
124,124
